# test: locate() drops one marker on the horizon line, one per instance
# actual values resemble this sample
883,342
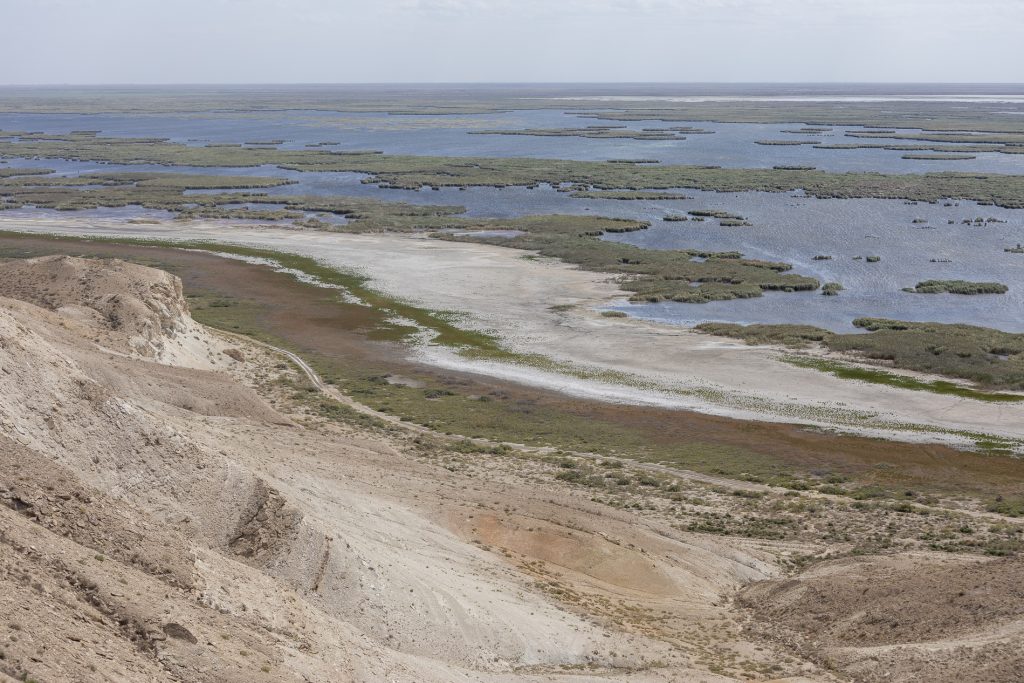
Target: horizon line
494,83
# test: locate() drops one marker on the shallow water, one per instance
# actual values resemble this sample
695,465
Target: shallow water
786,227
795,229
730,145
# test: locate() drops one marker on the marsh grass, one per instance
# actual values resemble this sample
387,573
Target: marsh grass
957,287
593,132
714,213
873,376
20,171
415,172
657,275
936,118
629,195
992,359
940,157
919,151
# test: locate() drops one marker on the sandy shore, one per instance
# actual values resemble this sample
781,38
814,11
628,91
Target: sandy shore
497,290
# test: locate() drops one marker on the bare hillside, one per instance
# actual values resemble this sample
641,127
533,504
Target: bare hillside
163,521
170,525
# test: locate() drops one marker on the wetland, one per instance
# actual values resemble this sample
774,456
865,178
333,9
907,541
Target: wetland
701,212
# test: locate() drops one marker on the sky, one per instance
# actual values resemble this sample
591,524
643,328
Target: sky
433,41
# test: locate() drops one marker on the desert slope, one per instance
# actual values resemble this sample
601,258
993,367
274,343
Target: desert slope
162,522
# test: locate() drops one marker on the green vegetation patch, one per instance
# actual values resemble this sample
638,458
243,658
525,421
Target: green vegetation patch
15,171
990,358
1005,143
785,335
595,132
1010,507
940,157
628,195
785,143
954,138
808,131
713,213
415,172
687,276
941,150
936,118
957,287
845,371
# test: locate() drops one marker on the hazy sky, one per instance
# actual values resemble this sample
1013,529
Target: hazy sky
340,41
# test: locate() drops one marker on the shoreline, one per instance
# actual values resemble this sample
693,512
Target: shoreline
523,303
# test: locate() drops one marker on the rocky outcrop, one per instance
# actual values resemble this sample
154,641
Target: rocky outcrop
125,307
